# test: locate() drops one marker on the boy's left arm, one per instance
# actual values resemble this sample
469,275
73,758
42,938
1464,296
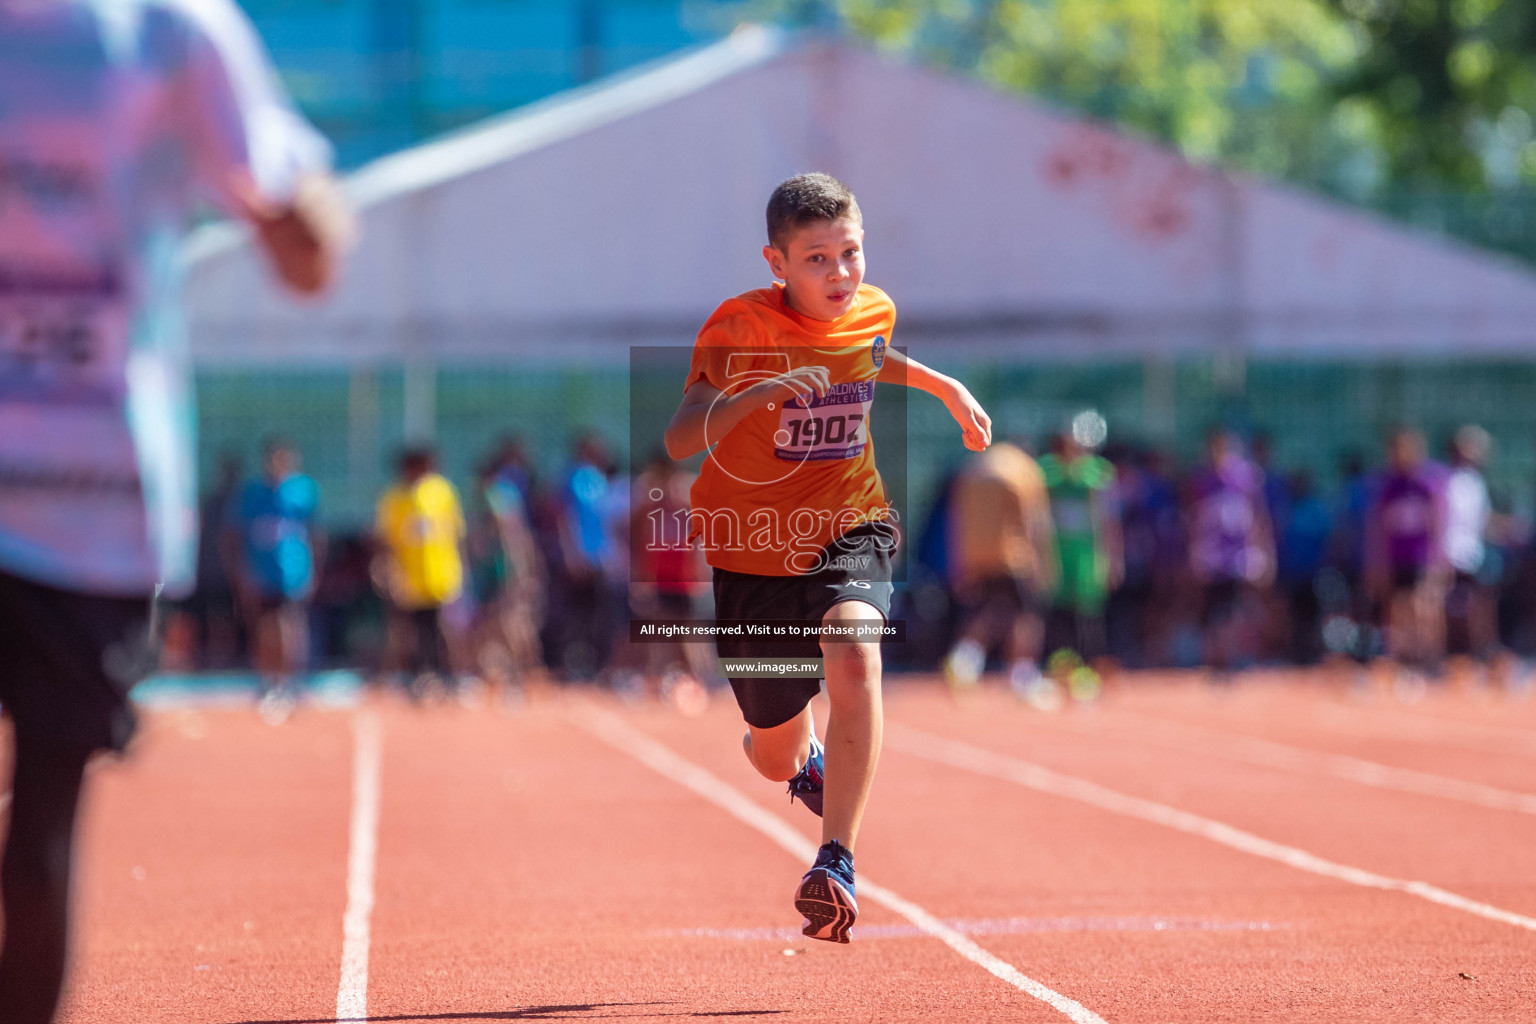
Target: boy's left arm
974,422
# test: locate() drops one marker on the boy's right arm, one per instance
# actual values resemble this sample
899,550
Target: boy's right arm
706,405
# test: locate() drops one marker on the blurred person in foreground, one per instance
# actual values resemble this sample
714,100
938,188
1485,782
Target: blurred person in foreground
115,117
1470,611
276,541
1405,566
419,527
1089,559
1002,566
1231,549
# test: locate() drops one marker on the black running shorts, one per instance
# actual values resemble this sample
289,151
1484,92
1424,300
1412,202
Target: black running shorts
858,569
67,662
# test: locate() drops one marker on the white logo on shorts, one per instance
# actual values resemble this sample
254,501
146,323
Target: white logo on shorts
859,583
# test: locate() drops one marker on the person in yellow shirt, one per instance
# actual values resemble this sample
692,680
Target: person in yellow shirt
792,515
419,527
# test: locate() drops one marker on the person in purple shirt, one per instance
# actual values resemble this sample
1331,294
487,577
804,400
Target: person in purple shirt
1231,549
1405,566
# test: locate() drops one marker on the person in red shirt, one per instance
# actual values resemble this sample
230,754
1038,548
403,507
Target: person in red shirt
792,514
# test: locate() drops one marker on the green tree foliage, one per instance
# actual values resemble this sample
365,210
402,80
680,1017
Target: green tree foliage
1362,96
1443,90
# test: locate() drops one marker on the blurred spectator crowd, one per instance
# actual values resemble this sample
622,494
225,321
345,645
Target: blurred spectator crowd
1038,563
519,576
1127,558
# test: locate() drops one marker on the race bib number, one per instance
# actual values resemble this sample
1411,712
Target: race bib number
65,347
833,426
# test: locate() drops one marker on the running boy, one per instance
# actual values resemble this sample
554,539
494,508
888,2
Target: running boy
791,511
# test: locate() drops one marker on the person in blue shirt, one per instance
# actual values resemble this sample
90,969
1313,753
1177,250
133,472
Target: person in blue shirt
277,538
587,552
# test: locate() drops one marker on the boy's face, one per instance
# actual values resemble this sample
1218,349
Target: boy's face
821,265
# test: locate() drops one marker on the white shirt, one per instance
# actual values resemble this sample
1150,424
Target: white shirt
1466,518
116,117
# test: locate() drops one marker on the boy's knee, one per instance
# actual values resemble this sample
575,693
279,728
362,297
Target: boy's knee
851,664
775,761
851,661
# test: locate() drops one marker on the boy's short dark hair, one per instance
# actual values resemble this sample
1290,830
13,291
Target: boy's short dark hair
806,198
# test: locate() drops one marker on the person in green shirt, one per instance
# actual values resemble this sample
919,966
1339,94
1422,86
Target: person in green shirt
1088,552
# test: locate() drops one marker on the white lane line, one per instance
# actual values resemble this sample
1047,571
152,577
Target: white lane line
612,730
983,762
1271,754
367,758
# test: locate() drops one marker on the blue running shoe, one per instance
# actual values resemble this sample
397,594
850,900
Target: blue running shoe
807,784
825,895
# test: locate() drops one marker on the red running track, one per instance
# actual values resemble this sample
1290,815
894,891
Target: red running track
1173,854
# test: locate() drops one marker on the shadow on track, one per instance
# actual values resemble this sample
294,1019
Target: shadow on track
566,1012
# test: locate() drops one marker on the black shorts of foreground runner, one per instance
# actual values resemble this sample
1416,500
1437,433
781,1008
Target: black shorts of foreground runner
858,569
67,662
70,659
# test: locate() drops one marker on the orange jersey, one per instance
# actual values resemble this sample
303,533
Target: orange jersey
788,480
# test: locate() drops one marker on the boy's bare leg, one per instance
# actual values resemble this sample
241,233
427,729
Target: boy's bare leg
854,725
780,752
